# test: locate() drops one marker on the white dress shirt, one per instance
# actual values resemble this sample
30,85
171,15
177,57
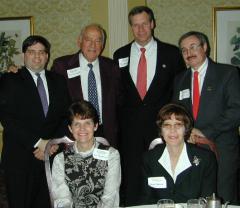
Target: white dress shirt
182,164
84,69
151,57
110,197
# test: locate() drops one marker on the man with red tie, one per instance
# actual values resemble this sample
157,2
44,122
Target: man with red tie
148,67
210,91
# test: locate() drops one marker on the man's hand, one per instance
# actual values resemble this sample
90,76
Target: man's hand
194,135
38,154
42,144
13,68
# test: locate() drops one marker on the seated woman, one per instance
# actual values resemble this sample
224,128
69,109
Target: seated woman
87,174
176,169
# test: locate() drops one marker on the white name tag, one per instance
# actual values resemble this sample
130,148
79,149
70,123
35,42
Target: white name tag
73,72
157,182
123,62
100,154
184,94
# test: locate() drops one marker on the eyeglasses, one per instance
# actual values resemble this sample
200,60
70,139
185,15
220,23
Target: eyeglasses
176,126
34,53
192,48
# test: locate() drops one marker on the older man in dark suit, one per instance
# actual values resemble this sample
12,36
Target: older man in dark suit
33,105
148,67
76,67
210,91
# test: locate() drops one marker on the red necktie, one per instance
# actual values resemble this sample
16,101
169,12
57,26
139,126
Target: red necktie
196,96
142,75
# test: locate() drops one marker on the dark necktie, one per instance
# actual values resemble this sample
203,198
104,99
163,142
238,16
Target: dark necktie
42,93
92,89
142,75
196,95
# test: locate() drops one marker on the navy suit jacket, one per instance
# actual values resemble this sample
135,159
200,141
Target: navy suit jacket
199,180
23,120
111,90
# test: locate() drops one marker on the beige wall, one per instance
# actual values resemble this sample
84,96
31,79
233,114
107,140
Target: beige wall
175,17
59,21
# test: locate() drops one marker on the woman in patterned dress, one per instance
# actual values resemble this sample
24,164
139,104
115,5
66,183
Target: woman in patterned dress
88,173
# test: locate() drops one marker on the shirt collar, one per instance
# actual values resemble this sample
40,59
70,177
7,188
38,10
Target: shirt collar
84,62
147,47
183,162
202,69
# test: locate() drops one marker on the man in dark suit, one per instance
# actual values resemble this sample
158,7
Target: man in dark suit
76,71
145,92
211,92
33,104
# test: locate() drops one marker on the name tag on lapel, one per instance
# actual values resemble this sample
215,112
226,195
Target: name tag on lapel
184,94
100,154
75,72
123,62
157,182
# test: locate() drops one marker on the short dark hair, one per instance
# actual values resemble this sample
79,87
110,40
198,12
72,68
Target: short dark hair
200,36
83,110
140,9
180,113
34,39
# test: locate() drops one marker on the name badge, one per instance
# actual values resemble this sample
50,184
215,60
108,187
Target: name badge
184,94
157,182
75,72
100,154
123,62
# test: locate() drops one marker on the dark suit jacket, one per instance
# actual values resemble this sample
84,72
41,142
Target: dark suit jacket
23,118
219,115
111,93
199,180
138,116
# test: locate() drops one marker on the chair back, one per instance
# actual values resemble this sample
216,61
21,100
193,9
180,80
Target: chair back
155,142
63,140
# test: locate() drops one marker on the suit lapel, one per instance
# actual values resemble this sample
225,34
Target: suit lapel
207,90
75,83
32,91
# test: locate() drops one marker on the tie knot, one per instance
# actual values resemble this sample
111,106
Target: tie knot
196,73
90,66
37,74
142,50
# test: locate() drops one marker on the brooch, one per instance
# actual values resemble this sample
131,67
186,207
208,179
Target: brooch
196,160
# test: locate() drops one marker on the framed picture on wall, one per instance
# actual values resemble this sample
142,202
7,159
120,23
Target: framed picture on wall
13,30
226,35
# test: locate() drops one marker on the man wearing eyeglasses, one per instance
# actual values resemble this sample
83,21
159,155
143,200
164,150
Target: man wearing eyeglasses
33,106
211,92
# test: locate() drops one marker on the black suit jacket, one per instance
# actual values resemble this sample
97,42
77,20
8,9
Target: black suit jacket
138,117
23,119
199,180
218,118
111,90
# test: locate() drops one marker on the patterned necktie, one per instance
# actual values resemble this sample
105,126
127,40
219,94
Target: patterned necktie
92,89
42,93
142,75
196,96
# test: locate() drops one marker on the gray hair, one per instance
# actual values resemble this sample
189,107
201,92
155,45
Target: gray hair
98,27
